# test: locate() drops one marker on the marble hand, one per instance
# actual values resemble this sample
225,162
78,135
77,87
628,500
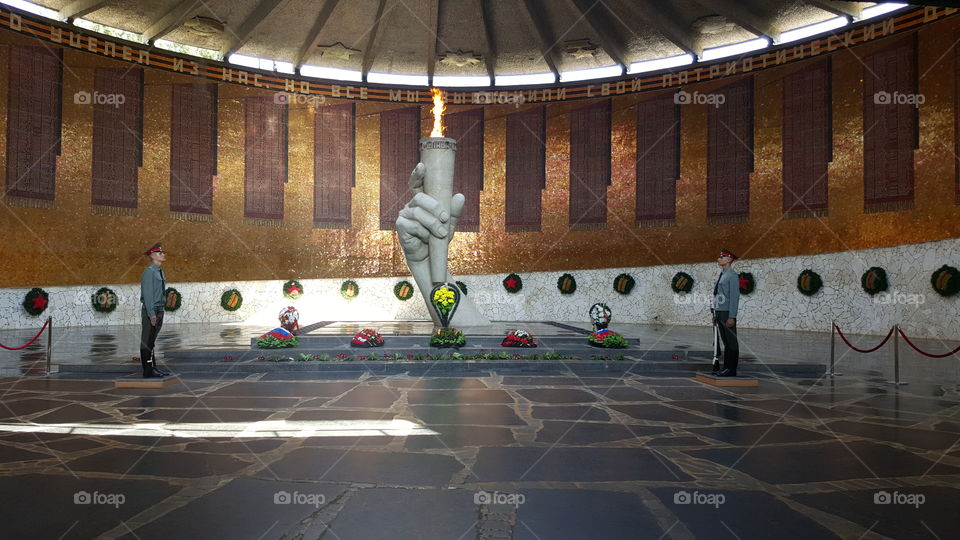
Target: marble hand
424,217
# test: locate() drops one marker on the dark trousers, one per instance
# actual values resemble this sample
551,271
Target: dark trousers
148,337
731,349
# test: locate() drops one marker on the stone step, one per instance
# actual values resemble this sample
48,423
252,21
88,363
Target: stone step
500,366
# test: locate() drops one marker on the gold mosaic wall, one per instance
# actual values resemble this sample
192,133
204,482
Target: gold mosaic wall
69,245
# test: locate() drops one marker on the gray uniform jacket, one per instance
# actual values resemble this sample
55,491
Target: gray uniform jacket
728,293
151,289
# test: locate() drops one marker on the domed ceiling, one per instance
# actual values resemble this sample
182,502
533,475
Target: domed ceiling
481,38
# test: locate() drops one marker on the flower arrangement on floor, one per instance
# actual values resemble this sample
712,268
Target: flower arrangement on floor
600,315
809,282
512,283
444,299
519,338
567,284
447,337
946,281
429,357
35,301
290,319
278,338
349,290
403,290
874,280
231,300
173,299
747,283
292,289
444,302
682,282
367,338
624,283
608,339
104,300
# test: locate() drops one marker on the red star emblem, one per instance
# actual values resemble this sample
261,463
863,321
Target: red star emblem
39,302
743,282
511,283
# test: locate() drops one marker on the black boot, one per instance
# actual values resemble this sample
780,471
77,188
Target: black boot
157,370
149,373
716,366
727,373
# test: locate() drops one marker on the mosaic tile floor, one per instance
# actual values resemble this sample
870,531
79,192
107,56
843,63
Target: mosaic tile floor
533,456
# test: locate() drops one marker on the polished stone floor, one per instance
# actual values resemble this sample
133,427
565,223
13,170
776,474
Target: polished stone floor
504,455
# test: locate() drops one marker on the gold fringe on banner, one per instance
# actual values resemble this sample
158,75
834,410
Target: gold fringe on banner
26,202
727,220
263,222
651,223
523,228
588,226
893,206
330,225
805,213
190,216
100,210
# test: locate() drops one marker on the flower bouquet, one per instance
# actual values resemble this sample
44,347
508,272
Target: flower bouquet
278,338
290,319
600,315
447,337
445,299
519,338
608,339
367,338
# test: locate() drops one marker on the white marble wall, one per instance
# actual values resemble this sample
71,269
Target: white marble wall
775,304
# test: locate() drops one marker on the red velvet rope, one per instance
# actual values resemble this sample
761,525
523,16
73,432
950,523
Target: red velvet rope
29,343
914,347
844,338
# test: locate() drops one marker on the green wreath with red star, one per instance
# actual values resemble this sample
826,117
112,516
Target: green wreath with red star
747,283
292,289
512,283
36,301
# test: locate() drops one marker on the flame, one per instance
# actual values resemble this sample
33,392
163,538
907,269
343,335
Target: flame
438,107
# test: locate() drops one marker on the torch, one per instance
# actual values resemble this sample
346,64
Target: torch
437,154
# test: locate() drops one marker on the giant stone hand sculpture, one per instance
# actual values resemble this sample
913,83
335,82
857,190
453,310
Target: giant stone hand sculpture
425,227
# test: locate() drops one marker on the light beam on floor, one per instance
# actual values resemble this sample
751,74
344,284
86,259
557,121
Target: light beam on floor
263,429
